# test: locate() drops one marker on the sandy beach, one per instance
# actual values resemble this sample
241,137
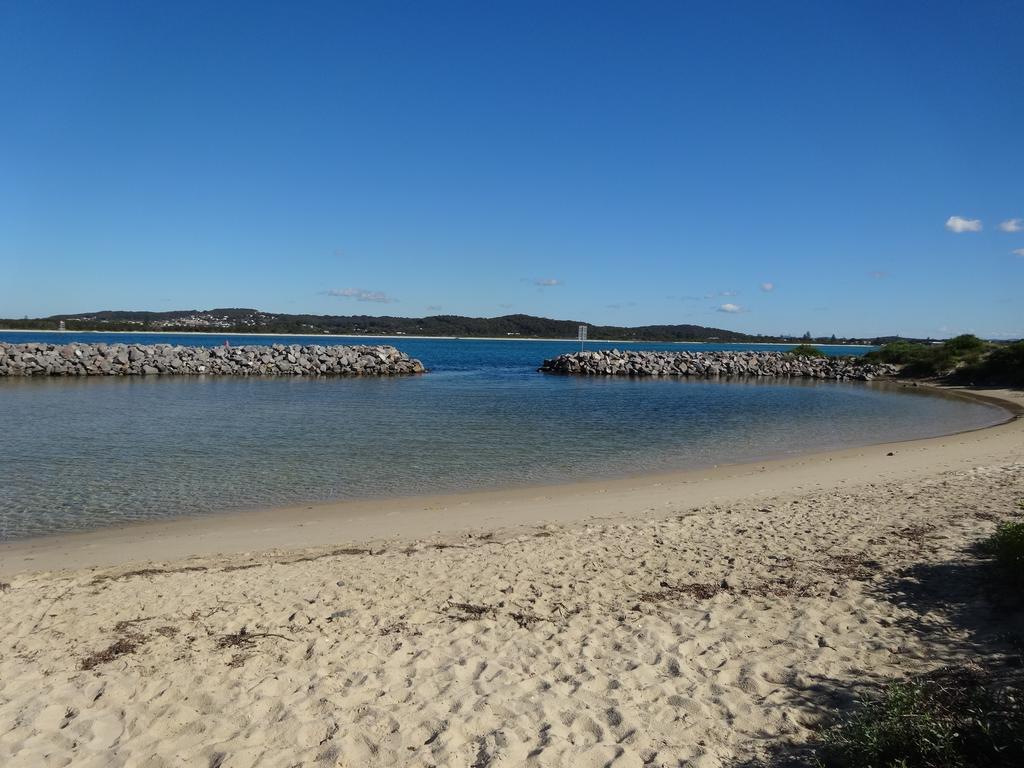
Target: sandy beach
697,618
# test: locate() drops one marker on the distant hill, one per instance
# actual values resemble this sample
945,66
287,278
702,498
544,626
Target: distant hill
242,320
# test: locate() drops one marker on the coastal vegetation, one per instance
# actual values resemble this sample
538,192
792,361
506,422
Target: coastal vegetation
962,359
956,717
964,715
1003,364
1006,548
235,320
805,350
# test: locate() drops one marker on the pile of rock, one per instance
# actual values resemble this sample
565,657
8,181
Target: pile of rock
711,364
165,359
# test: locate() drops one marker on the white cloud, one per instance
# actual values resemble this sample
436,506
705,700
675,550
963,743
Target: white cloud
730,308
1012,225
547,283
767,287
878,275
728,293
959,224
361,294
1018,252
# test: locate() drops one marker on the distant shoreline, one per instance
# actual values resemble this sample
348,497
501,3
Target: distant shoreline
450,338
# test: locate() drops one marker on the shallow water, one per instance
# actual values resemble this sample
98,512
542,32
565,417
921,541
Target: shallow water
84,453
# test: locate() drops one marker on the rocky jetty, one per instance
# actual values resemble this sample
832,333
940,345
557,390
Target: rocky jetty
710,364
168,360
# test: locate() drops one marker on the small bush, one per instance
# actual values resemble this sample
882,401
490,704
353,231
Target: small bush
1006,547
806,350
961,717
916,359
966,357
898,353
1003,365
965,346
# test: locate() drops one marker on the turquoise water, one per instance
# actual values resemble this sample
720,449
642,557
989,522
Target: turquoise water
85,453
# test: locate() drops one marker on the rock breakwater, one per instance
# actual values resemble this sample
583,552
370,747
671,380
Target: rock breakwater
166,359
710,364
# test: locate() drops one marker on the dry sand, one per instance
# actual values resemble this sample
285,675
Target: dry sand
693,619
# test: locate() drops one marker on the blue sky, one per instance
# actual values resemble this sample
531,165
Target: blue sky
625,163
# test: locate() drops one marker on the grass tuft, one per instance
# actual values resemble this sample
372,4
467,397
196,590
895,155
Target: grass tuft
956,717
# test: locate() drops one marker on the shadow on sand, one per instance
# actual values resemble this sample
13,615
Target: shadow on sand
960,610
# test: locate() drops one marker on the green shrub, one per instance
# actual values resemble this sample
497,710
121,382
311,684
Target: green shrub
1003,365
917,359
954,718
970,358
896,352
806,350
937,363
965,346
1006,548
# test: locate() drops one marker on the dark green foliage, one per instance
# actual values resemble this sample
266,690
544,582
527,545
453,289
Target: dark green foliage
965,346
806,350
965,359
898,352
253,321
963,717
1006,548
1003,365
917,359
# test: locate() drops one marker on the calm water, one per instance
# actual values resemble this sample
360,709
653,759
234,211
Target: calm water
83,453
